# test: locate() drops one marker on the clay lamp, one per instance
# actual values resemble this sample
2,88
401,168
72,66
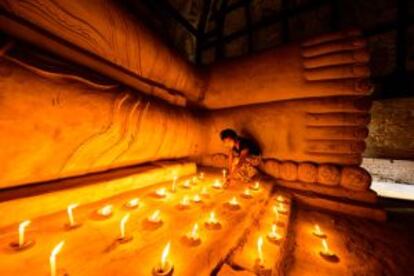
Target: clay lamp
273,235
212,223
123,238
282,209
318,232
106,211
233,204
161,192
155,218
255,186
197,198
174,184
204,191
72,224
260,260
192,238
164,268
22,244
246,193
187,184
217,184
132,203
52,258
184,203
326,253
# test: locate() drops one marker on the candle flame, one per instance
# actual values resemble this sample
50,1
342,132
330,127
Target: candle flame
247,192
325,246
155,216
274,229
133,202
124,220
318,230
280,198
22,227
161,191
52,258
212,217
185,200
194,233
165,255
260,249
197,198
217,184
256,185
233,201
70,213
106,210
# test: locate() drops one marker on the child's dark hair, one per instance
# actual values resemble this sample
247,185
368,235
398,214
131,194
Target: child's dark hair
228,133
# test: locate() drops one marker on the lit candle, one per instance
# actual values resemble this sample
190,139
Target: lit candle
69,211
174,184
106,211
326,252
204,191
260,259
246,193
185,202
224,174
164,267
273,235
22,228
201,175
52,258
155,217
255,186
132,203
280,199
193,235
233,201
21,242
318,232
212,222
197,198
217,184
187,184
161,192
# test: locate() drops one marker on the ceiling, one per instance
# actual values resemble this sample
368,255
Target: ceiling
204,31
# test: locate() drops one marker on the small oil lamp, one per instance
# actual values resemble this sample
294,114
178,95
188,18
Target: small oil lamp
233,203
155,217
204,191
187,184
212,223
217,184
174,184
273,235
72,224
193,238
52,258
164,268
260,259
255,186
123,238
22,244
161,192
132,203
184,203
197,198
282,209
246,193
318,232
327,253
106,211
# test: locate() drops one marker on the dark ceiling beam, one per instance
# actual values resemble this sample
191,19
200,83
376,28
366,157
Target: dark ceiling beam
234,6
167,9
248,17
290,12
220,20
285,21
201,30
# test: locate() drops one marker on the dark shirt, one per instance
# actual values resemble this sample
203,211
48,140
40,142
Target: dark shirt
245,143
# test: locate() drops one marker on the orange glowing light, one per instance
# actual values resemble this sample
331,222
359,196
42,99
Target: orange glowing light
247,192
174,183
132,203
69,211
201,175
217,184
260,250
122,224
325,246
273,234
52,258
280,199
317,231
255,186
22,227
224,173
194,233
212,218
185,201
161,192
187,184
197,198
233,201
